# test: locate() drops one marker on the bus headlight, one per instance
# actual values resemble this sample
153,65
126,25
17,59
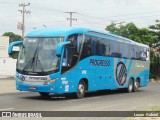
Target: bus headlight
51,81
54,80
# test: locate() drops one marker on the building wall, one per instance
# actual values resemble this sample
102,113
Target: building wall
7,67
7,64
4,42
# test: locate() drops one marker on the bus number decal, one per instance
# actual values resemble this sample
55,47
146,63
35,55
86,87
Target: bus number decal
66,88
84,72
95,62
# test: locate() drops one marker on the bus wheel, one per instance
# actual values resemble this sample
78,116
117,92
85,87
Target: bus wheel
81,89
136,85
44,94
130,86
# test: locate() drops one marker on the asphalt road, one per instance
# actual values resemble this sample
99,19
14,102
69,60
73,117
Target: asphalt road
114,100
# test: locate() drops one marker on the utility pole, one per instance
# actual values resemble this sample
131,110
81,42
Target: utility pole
71,18
23,12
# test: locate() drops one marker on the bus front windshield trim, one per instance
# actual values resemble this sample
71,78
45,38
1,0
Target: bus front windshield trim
38,55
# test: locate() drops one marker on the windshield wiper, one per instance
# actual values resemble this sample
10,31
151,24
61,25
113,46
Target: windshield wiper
32,61
35,63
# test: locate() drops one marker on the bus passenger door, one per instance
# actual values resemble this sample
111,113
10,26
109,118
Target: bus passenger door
69,59
71,52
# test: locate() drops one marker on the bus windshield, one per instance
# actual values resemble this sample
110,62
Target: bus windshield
38,55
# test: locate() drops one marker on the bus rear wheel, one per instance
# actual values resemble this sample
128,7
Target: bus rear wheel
44,94
136,85
130,86
81,89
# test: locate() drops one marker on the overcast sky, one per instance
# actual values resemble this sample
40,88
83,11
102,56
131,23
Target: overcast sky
90,13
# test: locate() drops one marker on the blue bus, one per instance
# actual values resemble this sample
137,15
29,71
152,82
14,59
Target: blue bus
63,60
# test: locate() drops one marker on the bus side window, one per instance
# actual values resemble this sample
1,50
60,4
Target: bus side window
86,50
107,47
138,53
93,45
125,50
79,42
115,49
132,52
144,54
71,52
101,47
67,61
73,39
76,41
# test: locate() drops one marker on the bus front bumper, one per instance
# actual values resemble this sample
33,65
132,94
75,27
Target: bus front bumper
51,88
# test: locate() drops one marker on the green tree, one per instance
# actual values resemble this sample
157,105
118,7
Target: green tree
13,37
155,63
131,31
155,29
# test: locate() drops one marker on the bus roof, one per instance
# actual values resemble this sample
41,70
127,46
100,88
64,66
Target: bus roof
55,31
65,31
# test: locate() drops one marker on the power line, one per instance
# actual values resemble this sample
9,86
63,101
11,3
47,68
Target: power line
93,17
8,3
44,8
71,17
23,12
122,15
102,20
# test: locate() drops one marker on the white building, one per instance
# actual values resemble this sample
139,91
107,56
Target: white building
7,64
4,42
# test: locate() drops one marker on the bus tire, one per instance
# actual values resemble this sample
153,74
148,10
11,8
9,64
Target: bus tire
81,89
136,85
44,94
130,86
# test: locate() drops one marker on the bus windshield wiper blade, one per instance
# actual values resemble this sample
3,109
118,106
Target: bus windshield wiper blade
31,60
37,58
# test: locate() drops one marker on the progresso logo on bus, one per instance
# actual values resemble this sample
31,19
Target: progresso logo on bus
95,62
37,78
121,73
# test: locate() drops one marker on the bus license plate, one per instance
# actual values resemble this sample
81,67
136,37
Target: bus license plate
32,88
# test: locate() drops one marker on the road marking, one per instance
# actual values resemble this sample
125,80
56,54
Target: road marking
6,109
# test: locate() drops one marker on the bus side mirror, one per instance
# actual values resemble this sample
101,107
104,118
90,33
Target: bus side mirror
12,44
60,47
